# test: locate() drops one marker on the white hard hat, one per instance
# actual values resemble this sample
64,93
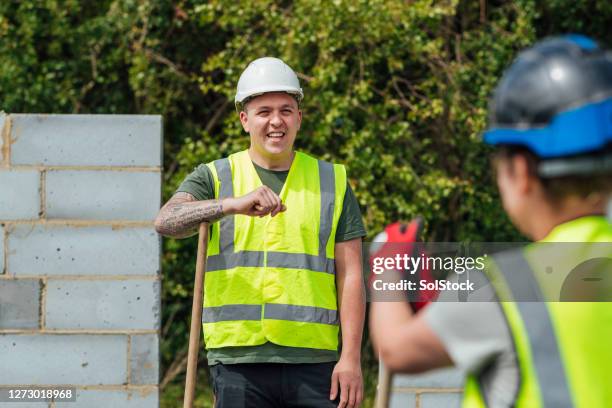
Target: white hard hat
267,74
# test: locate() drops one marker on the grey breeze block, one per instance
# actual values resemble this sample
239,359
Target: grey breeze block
103,195
19,194
63,359
86,140
91,251
112,398
441,378
103,304
144,359
19,303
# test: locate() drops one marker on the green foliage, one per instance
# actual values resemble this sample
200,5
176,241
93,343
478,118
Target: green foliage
395,90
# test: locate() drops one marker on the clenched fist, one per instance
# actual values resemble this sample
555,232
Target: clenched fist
259,202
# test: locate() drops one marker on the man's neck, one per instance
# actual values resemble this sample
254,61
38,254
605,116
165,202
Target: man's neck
548,218
272,162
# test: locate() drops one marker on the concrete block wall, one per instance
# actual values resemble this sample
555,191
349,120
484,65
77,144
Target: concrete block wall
79,257
438,388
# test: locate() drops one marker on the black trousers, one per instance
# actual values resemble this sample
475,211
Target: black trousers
272,385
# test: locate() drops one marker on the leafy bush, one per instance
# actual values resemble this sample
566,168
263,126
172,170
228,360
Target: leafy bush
395,90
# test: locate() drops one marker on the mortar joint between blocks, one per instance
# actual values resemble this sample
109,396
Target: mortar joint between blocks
129,353
90,278
428,390
96,332
4,265
101,387
42,214
114,224
43,304
86,167
6,142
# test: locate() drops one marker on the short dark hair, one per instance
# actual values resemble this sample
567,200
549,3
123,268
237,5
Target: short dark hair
559,188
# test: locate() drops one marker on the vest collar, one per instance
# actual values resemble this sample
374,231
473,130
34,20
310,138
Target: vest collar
582,229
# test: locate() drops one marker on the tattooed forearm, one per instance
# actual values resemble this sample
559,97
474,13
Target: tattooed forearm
182,215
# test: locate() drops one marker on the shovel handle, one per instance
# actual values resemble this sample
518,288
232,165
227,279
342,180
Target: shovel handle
196,317
385,379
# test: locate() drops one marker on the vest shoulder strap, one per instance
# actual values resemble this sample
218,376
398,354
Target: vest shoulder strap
543,353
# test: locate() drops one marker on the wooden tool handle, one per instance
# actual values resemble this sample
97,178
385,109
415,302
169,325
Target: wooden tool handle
196,317
385,381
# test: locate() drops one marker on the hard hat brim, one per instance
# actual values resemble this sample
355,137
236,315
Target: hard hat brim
241,97
581,130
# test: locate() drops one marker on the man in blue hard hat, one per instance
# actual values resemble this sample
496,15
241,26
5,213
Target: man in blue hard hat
551,126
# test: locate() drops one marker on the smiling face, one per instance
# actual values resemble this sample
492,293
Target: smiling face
272,120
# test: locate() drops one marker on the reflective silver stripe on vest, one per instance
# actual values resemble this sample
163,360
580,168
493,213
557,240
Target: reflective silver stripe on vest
308,314
231,312
327,185
234,259
542,338
519,276
300,261
228,259
226,230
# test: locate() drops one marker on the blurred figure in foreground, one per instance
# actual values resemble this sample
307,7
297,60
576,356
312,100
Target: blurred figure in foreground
551,125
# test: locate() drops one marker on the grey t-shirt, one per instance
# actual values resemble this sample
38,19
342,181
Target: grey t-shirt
478,340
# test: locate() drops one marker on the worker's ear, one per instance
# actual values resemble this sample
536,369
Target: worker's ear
299,122
513,180
523,178
244,119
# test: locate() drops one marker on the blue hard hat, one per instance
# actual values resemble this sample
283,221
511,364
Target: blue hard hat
555,99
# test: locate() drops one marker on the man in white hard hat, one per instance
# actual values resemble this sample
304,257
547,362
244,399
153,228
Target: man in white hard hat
284,258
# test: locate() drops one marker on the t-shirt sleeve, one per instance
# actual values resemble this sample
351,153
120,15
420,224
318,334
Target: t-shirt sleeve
350,224
472,332
199,183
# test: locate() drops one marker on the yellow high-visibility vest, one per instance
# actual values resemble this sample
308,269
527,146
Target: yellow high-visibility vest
564,349
273,278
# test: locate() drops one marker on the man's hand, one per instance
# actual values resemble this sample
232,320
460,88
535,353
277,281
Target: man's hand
347,378
259,202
